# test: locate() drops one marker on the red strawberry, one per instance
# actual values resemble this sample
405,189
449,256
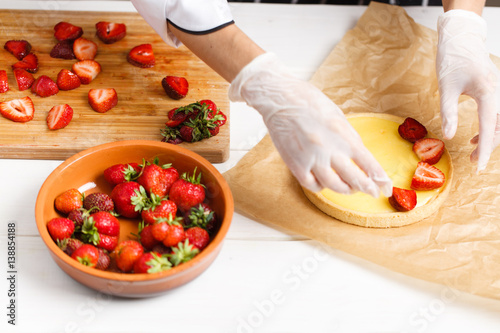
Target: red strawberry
151,262
198,237
78,216
4,82
19,110
67,80
214,131
429,150
60,228
101,229
403,200
104,260
29,63
129,199
87,255
176,87
182,252
67,31
201,216
411,130
142,56
69,245
159,208
146,236
189,133
44,86
24,79
63,50
19,48
102,100
99,202
175,235
127,253
187,191
59,116
86,70
211,106
159,230
170,176
121,173
109,32
221,119
427,177
175,118
68,200
152,179
84,49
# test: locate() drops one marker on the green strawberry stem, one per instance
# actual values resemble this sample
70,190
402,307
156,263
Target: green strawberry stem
90,234
158,264
183,252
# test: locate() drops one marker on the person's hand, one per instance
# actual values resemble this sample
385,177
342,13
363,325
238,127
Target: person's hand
309,131
463,66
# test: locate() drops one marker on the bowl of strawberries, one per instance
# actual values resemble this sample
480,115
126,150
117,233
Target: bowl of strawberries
134,218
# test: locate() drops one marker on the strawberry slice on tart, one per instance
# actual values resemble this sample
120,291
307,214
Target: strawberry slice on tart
429,150
427,177
109,32
18,110
403,200
411,130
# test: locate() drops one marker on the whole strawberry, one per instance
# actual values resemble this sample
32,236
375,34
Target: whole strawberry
69,245
169,230
175,235
121,173
98,201
187,191
146,237
104,260
152,179
170,175
158,208
201,216
151,262
87,255
78,216
101,229
129,198
198,237
126,254
60,228
68,201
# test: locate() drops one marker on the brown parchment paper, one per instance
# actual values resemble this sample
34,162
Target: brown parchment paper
387,64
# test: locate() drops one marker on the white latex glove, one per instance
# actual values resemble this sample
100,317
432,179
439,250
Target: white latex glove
463,66
310,132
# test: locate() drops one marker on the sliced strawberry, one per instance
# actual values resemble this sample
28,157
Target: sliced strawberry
19,48
84,49
411,130
222,120
19,110
67,80
24,79
214,130
86,70
176,87
427,177
59,116
175,118
67,31
110,32
44,86
29,63
4,82
142,56
63,50
429,150
211,106
403,200
188,133
102,100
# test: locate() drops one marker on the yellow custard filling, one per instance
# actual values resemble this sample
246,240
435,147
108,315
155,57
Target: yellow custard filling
397,158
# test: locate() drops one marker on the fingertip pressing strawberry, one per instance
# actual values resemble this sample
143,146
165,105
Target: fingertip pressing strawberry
86,70
28,63
67,31
403,200
18,110
109,32
411,130
68,200
429,150
427,177
126,254
151,262
87,255
18,48
24,79
142,56
102,100
59,116
60,228
176,87
84,49
187,191
44,86
4,81
67,80
63,50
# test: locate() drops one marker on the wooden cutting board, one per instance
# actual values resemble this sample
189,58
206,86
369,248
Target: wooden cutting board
142,103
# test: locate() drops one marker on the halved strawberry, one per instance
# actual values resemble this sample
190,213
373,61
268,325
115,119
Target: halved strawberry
67,31
176,87
110,32
67,80
211,106
429,150
19,48
222,118
24,79
4,82
59,116
63,50
86,70
44,86
411,130
427,177
102,100
175,118
142,56
403,200
84,49
29,63
19,110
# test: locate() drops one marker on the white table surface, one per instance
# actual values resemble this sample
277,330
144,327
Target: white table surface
264,280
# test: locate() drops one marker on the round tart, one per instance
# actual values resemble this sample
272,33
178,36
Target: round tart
379,133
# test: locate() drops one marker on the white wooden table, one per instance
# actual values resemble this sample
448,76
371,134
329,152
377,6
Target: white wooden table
264,280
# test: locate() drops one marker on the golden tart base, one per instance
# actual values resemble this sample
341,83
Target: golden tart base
379,133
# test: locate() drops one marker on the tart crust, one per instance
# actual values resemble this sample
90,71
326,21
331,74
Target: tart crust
389,219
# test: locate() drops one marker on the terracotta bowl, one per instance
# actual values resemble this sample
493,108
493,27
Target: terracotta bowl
84,171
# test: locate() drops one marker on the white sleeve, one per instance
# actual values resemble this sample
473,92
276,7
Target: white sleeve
191,16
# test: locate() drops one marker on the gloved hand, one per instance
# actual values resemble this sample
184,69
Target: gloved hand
463,66
310,132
